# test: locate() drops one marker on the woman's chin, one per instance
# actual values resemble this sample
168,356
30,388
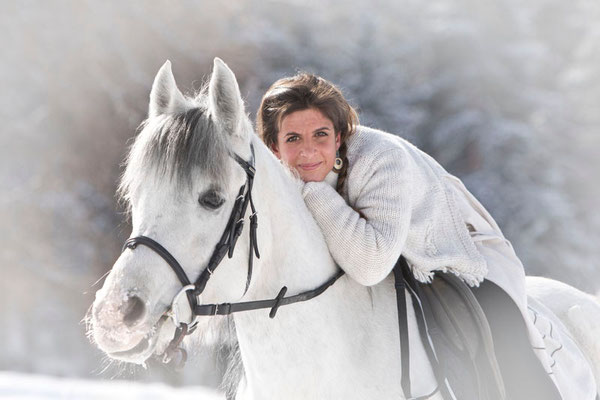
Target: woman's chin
312,176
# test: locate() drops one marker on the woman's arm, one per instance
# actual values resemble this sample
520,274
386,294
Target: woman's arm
366,249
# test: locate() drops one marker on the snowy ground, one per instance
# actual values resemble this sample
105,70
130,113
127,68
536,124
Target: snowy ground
22,386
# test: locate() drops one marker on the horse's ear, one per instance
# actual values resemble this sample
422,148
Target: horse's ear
165,97
225,97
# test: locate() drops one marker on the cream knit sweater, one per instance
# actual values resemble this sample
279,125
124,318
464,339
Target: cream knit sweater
409,208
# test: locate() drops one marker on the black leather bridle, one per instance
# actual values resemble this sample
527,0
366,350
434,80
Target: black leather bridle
226,245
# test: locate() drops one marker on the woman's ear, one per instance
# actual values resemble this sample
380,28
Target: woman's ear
338,140
275,150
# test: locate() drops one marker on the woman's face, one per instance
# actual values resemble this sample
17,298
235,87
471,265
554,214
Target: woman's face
307,142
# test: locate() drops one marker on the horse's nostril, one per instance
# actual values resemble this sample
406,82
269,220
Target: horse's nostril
133,310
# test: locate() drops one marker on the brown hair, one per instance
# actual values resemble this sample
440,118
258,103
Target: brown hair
301,92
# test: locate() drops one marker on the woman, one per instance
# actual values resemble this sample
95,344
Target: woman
376,196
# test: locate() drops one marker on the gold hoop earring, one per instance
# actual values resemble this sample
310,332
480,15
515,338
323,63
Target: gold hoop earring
338,164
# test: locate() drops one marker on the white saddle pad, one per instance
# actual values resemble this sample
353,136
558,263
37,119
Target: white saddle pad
565,362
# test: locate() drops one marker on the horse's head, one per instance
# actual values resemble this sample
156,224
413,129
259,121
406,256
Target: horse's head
181,182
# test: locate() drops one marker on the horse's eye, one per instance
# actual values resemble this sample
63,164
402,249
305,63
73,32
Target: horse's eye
211,200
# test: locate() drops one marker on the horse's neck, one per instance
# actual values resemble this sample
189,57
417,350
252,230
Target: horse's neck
293,254
294,251
340,344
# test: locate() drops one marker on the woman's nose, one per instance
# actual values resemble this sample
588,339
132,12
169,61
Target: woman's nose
307,150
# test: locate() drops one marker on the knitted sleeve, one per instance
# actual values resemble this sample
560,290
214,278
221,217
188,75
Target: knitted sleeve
366,249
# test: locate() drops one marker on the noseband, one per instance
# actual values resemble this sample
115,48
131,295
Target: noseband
226,245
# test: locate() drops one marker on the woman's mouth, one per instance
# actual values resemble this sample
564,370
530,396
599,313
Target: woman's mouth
310,166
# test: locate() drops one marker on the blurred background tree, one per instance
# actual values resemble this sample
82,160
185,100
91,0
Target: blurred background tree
504,94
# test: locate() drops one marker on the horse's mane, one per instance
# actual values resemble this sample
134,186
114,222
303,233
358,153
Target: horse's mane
176,145
229,351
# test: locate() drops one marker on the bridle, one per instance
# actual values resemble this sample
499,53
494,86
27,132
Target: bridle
226,245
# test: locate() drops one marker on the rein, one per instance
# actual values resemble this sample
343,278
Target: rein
225,246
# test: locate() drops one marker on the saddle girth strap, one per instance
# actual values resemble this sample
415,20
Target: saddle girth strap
402,325
405,281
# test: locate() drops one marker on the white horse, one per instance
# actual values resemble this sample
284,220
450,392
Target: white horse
181,183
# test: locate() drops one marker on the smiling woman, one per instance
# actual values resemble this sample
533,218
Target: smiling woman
392,200
306,122
308,142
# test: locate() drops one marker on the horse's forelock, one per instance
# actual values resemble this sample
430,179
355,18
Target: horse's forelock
174,146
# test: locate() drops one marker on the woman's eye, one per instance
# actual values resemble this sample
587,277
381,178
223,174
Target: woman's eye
211,200
321,133
291,139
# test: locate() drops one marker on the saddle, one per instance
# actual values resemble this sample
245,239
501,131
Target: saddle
475,338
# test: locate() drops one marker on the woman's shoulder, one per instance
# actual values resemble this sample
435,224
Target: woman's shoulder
376,156
368,144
